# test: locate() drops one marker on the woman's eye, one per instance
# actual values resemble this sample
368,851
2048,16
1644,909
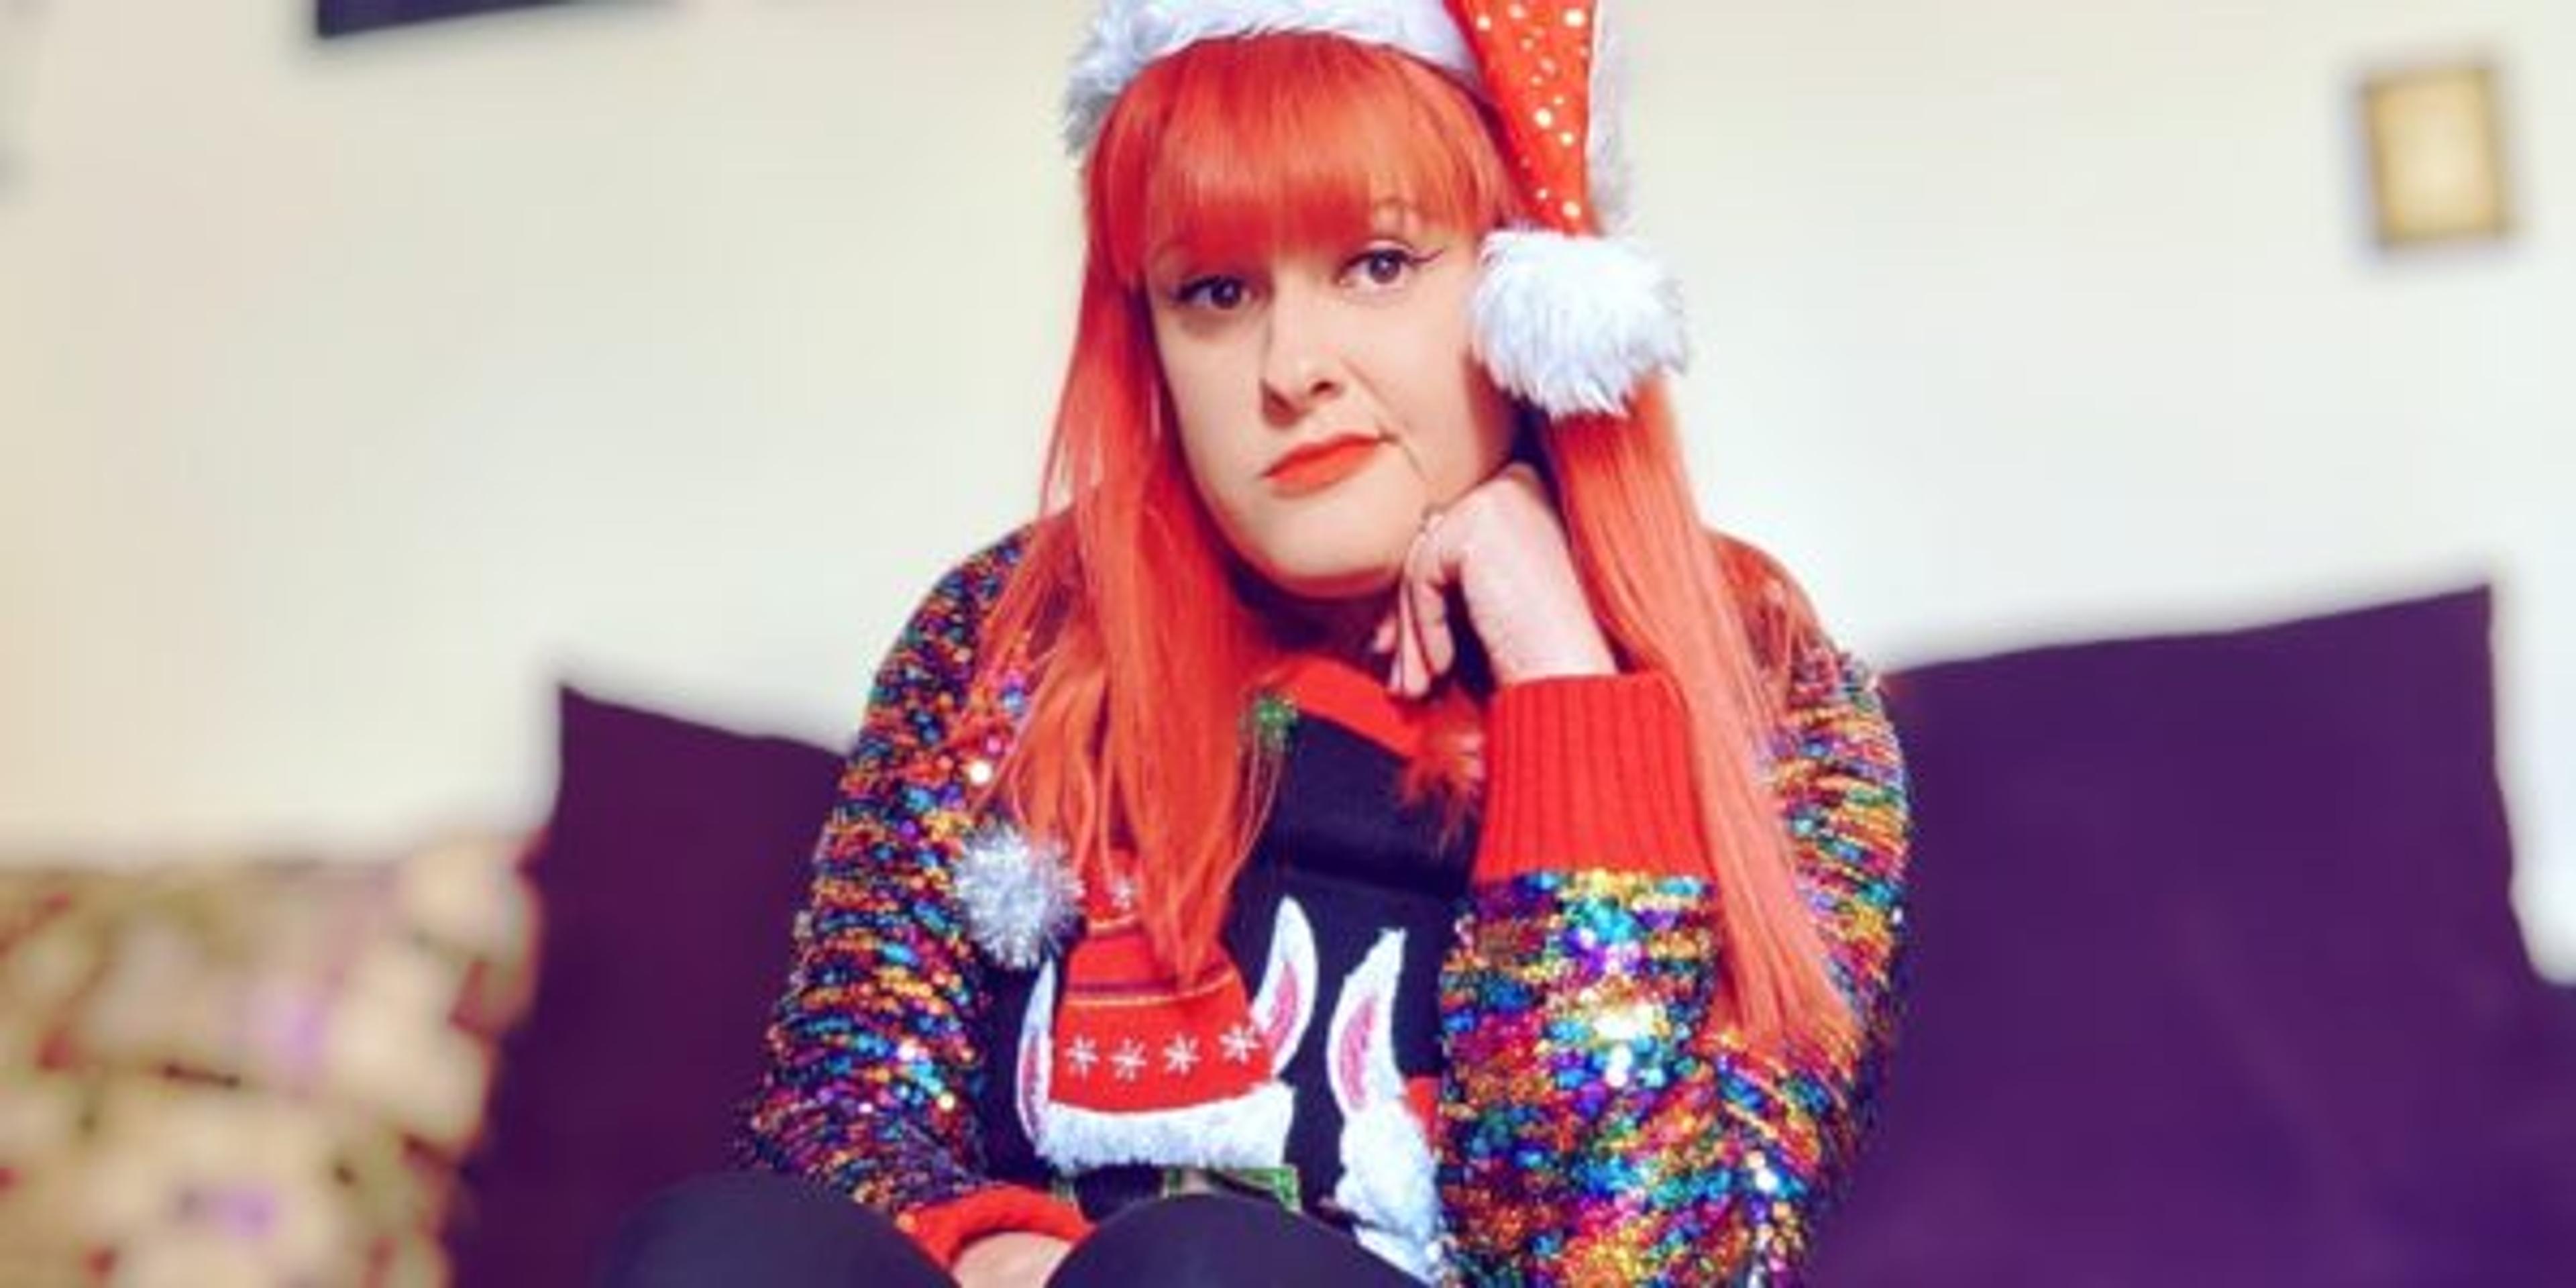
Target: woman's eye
1223,294
1384,266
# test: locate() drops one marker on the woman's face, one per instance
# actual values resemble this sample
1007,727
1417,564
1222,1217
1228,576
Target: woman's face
1328,398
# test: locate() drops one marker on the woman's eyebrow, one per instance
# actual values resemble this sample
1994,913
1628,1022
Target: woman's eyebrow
1169,260
1398,218
1397,211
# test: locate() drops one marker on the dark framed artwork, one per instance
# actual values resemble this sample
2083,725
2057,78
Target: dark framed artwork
351,17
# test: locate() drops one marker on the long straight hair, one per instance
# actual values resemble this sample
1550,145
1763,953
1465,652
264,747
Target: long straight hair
1131,615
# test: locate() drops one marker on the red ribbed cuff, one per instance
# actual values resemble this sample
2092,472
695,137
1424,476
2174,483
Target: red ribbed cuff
944,1229
1590,772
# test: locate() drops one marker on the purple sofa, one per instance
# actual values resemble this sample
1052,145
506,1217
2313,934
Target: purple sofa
2213,975
2213,978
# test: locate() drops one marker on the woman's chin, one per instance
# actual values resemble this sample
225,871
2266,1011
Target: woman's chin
1324,581
1341,544
1340,565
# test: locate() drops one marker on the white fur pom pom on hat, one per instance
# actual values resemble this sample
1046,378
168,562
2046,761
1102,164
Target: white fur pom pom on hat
1018,898
1572,324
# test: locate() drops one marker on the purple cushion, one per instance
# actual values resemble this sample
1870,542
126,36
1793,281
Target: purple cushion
2214,979
667,880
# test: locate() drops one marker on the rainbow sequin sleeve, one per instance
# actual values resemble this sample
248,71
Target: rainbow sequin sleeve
868,1087
1596,1126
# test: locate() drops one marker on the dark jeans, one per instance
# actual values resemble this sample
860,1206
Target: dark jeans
755,1230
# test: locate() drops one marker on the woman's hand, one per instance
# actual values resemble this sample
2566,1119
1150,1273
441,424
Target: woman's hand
1009,1261
1505,550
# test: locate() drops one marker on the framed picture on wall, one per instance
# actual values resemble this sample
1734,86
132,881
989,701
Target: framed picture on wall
2436,155
350,17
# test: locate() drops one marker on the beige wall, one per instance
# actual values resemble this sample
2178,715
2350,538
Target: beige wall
350,395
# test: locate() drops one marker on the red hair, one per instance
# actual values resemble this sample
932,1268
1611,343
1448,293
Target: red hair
1240,148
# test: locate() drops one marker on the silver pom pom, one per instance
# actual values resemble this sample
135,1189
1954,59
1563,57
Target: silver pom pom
1019,898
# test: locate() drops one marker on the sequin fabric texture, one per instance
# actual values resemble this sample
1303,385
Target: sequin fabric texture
1597,1127
871,1052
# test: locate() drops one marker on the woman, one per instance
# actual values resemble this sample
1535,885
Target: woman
1366,827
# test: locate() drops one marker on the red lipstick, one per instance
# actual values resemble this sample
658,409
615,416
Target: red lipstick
1321,464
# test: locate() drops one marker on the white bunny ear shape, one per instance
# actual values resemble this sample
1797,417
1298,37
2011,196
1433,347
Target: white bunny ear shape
1286,1003
1360,1051
1389,1179
1037,1026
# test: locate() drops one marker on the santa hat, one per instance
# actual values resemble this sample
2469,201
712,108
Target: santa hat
1137,1064
1567,318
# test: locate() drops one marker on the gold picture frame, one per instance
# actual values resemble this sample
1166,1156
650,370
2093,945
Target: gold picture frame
2437,161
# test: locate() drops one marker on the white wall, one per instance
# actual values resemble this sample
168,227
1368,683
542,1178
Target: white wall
349,395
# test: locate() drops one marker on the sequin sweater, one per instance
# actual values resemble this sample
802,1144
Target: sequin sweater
1498,1057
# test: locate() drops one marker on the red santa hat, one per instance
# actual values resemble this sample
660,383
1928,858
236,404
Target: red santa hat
1134,1063
1568,317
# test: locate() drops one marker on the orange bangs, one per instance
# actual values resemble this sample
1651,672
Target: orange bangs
1235,150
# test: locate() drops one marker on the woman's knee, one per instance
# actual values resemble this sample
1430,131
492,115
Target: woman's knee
753,1228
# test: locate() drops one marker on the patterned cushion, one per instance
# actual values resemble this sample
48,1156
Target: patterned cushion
249,1071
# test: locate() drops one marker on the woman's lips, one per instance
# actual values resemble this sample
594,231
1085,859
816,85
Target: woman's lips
1321,465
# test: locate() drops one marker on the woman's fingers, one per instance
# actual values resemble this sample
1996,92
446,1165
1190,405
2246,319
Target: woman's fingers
1434,646
1523,599
1425,643
1402,643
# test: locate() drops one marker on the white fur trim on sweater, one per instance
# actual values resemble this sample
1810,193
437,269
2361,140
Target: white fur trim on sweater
1575,324
1130,35
1250,1130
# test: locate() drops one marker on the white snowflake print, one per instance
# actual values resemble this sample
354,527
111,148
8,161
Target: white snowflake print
1129,1062
1241,1043
1180,1055
1081,1056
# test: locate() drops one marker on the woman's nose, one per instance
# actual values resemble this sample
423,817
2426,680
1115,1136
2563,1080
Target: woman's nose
1299,364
